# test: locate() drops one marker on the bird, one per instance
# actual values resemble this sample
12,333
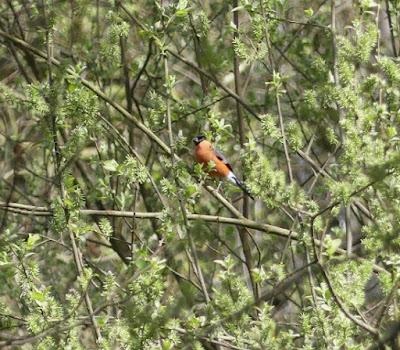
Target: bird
205,152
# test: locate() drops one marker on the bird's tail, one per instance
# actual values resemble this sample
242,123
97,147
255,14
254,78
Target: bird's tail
243,187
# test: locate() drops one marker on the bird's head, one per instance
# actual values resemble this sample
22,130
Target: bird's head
198,139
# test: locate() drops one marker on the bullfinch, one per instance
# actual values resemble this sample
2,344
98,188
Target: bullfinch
204,153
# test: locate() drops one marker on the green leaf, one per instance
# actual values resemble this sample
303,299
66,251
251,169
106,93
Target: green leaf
38,296
182,4
190,190
105,227
332,246
32,239
141,263
309,12
181,13
110,165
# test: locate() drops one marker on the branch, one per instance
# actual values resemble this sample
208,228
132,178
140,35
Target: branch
25,46
216,82
391,334
325,275
391,28
279,288
194,260
243,233
322,171
51,101
270,229
32,338
207,339
342,307
309,23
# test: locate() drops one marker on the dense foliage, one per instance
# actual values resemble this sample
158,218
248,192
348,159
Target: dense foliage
111,236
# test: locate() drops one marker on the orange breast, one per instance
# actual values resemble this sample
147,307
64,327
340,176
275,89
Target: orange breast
204,153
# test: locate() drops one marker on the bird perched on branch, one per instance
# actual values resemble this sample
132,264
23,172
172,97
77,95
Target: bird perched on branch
205,152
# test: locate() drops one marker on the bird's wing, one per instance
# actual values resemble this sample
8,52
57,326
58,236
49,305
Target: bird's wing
222,158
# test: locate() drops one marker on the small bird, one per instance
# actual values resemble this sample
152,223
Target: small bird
205,152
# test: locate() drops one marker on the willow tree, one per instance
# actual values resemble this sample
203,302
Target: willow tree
113,238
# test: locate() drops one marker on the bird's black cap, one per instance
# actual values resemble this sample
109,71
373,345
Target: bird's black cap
198,139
